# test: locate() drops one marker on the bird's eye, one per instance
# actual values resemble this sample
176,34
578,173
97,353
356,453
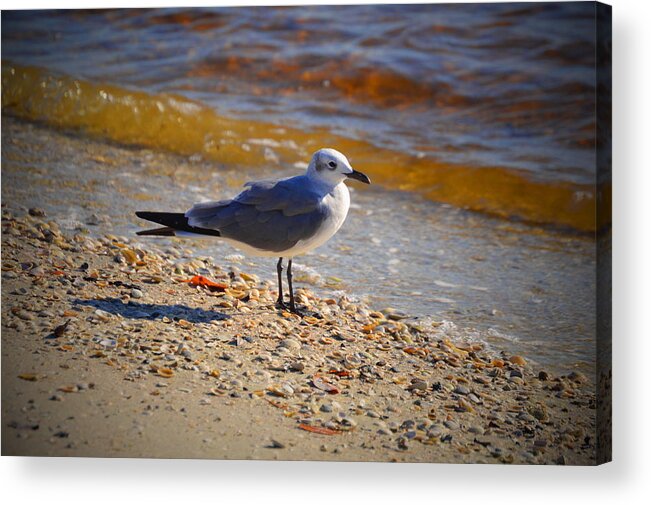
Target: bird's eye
332,165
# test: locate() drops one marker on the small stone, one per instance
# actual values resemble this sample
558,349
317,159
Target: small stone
451,425
275,444
523,416
136,293
37,212
477,430
349,421
577,377
461,390
290,344
543,376
474,398
419,385
539,411
297,366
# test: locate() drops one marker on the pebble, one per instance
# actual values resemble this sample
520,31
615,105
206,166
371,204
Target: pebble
290,344
349,421
577,377
474,398
419,385
36,212
297,366
461,390
523,416
539,411
451,425
136,293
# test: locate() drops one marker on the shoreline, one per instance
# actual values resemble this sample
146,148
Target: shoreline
150,366
515,287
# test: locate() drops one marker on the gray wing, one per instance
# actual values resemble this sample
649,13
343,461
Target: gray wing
269,215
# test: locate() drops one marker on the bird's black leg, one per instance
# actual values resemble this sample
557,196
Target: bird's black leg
279,269
292,305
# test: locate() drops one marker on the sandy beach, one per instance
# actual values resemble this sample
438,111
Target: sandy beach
110,349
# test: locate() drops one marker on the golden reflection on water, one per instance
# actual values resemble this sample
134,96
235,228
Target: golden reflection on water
177,124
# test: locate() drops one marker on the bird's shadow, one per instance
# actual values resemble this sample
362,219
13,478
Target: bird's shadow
137,310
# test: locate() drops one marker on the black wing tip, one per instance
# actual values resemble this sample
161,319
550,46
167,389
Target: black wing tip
172,222
144,214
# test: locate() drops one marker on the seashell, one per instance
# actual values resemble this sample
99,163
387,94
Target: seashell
368,328
279,391
352,361
324,385
165,372
185,324
248,277
129,256
68,389
102,315
254,294
464,406
517,360
290,344
318,429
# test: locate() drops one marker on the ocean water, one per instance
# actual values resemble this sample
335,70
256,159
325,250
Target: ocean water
476,124
488,107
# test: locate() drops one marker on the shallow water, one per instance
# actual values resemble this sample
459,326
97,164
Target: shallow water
488,107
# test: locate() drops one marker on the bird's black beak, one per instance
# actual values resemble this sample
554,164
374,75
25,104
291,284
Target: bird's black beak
359,176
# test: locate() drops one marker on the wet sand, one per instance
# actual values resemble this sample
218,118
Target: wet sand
151,366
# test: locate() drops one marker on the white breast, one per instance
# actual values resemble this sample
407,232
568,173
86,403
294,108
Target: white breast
338,201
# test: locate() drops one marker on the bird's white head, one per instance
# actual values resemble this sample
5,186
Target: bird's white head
331,167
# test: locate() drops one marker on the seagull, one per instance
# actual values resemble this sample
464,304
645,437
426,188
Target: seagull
281,218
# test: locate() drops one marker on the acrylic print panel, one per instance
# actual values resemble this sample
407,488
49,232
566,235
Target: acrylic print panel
456,309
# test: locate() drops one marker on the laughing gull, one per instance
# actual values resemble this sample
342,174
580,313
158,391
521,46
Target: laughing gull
282,218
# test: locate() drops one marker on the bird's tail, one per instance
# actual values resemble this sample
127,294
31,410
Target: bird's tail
166,231
172,222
